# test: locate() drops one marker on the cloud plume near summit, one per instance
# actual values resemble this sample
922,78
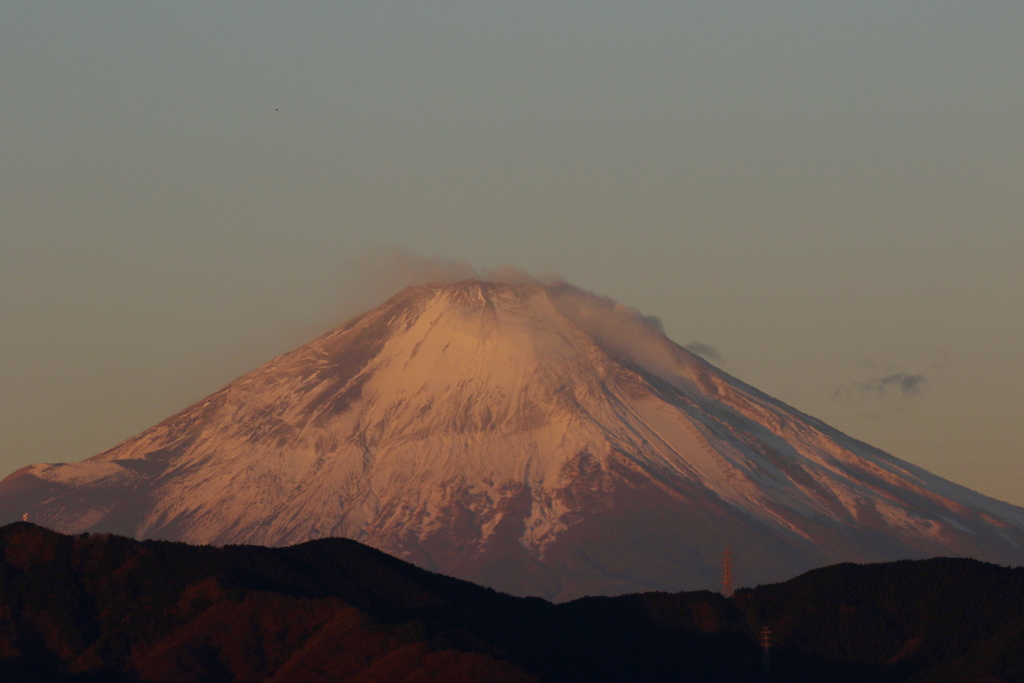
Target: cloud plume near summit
624,331
705,351
370,278
375,276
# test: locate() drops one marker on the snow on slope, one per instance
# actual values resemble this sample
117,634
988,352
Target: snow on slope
540,440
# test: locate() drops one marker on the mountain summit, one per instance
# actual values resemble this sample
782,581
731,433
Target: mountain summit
537,439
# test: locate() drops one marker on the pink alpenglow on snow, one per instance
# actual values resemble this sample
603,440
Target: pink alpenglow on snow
530,437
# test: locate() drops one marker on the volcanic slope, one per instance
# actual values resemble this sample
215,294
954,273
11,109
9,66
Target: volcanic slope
539,440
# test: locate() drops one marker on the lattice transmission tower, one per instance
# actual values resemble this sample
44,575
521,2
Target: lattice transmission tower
727,573
766,644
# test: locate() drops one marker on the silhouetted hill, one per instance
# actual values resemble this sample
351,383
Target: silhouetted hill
105,608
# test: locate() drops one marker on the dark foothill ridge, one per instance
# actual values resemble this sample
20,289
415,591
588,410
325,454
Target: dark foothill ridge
107,608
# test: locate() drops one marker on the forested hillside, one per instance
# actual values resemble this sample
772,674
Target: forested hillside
106,608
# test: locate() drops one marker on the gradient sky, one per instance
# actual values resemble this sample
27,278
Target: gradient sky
829,194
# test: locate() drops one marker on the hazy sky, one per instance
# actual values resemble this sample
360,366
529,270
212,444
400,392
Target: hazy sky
828,194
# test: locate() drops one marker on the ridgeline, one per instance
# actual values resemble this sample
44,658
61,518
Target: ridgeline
106,608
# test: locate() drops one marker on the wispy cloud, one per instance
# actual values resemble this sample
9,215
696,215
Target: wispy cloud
904,383
622,330
705,351
893,386
372,277
883,395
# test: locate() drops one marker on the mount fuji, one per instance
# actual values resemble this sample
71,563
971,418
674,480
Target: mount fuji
537,439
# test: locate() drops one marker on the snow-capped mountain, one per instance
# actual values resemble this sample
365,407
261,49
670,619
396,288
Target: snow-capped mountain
536,439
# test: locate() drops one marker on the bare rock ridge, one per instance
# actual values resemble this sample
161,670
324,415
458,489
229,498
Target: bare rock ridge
535,439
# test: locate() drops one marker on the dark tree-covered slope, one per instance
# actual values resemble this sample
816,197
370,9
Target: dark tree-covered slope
106,608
